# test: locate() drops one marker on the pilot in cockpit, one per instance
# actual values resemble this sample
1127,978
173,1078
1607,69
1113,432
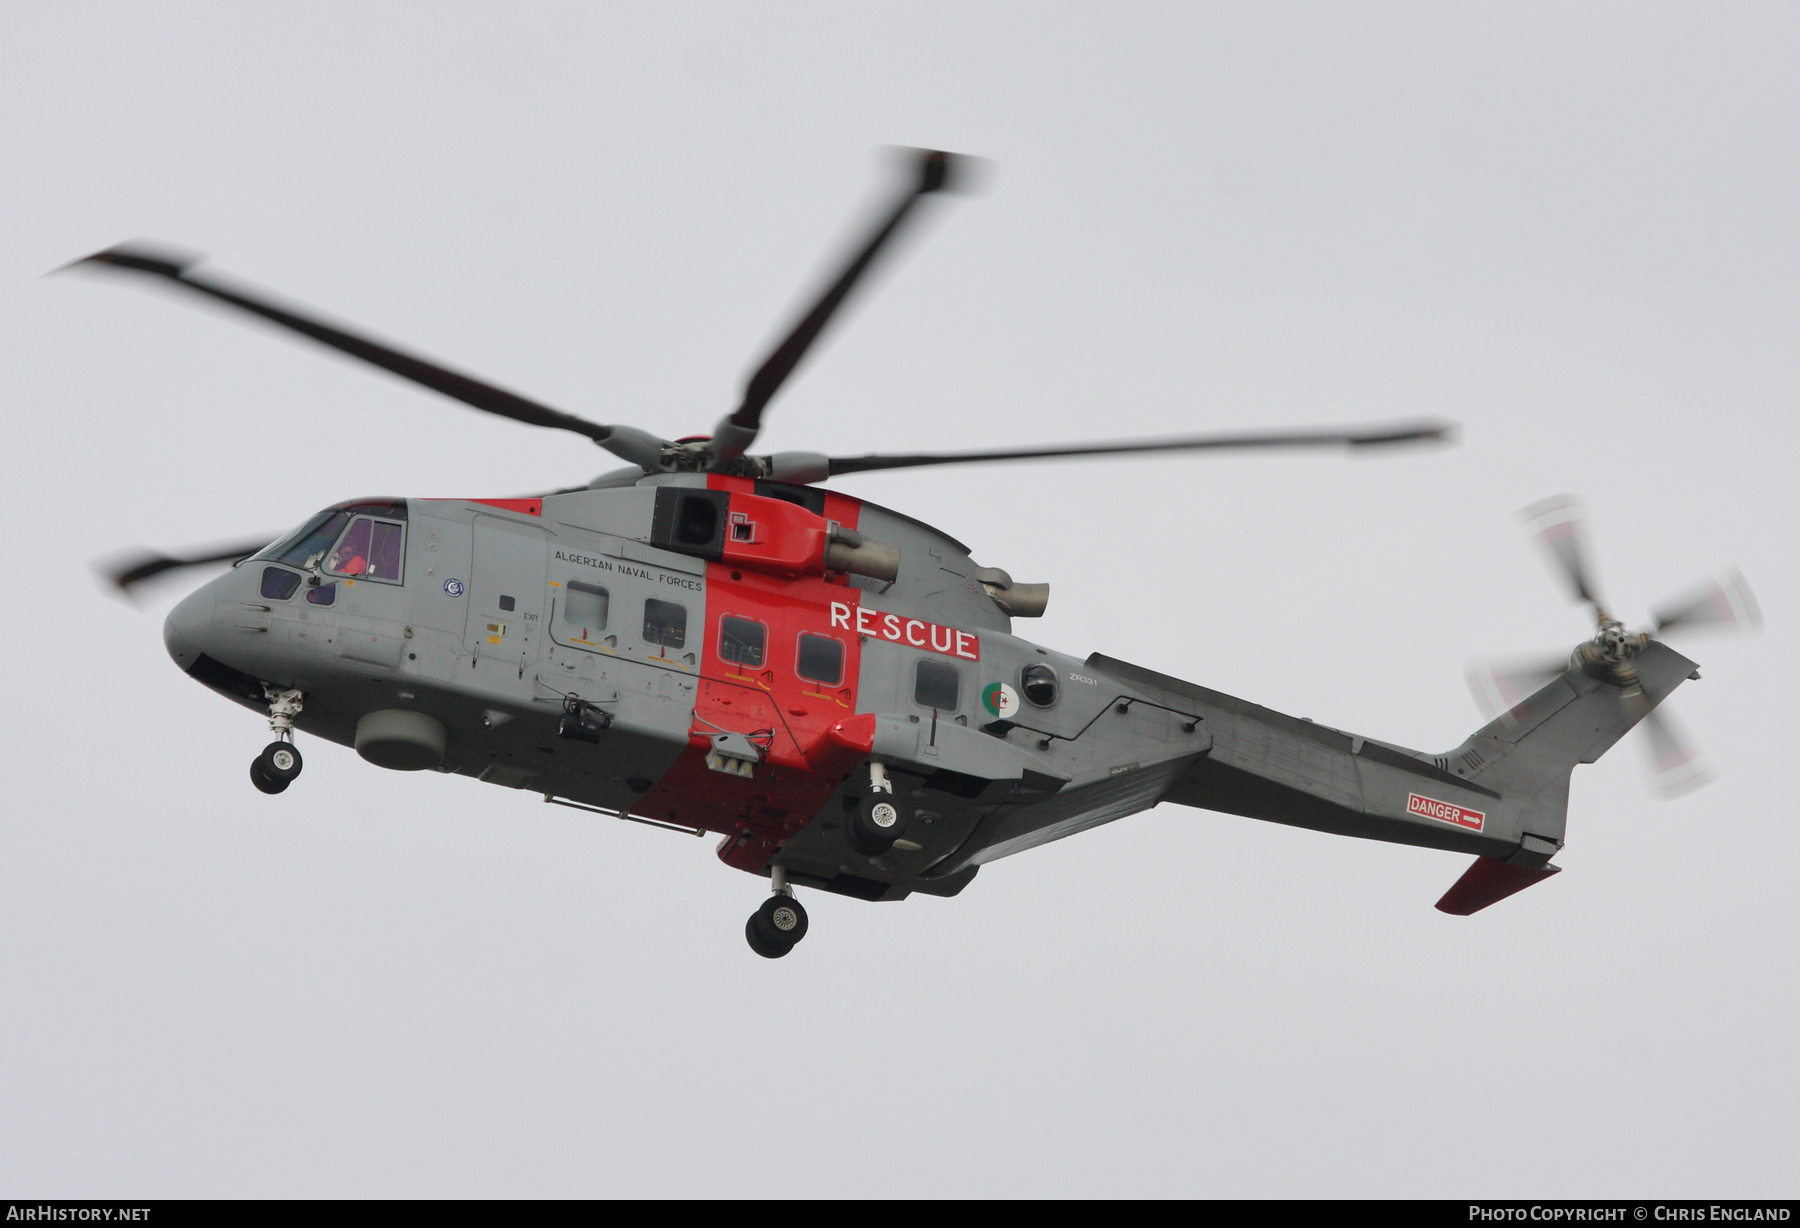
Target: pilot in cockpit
351,556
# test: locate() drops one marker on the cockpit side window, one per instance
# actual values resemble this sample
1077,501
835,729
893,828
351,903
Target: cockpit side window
351,558
370,549
384,552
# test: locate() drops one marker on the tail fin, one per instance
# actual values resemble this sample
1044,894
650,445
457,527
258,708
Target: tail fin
1530,752
1488,881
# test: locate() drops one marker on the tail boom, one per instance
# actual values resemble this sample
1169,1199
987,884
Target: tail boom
1502,794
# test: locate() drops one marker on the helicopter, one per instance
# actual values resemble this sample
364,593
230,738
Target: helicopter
710,641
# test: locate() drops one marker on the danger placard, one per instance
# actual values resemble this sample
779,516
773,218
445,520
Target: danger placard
1444,812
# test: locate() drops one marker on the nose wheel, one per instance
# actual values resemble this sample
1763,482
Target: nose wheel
276,768
279,764
777,927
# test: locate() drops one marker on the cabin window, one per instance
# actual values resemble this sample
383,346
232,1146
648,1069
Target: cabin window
665,623
277,584
325,594
937,685
369,549
820,659
1038,682
585,606
741,640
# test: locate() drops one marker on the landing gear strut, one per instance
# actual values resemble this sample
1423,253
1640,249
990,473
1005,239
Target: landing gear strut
279,764
880,818
775,928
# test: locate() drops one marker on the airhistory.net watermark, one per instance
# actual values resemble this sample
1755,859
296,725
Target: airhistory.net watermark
51,1213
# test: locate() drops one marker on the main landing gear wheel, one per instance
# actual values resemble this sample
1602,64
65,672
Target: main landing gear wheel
773,929
880,819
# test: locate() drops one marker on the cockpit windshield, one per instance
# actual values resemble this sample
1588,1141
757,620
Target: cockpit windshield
370,547
305,546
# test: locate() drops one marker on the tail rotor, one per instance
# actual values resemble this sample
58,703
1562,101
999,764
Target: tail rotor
1723,602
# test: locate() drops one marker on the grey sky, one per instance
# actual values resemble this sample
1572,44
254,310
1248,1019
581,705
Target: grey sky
1571,228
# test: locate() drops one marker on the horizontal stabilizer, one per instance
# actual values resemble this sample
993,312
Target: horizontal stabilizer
1489,881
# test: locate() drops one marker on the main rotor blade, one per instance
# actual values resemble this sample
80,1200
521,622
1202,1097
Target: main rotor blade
1724,601
934,170
1559,525
1367,438
126,573
464,388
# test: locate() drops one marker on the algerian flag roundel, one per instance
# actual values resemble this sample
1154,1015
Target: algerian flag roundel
1000,699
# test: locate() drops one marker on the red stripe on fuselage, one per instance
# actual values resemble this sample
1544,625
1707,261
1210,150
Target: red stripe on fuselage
530,507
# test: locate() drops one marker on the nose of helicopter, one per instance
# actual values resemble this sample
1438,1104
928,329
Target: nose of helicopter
189,625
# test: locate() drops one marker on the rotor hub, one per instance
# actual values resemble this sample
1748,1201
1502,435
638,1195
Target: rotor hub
1609,655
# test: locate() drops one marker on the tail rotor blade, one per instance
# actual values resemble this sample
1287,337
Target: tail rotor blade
1500,690
1724,601
1677,767
1559,525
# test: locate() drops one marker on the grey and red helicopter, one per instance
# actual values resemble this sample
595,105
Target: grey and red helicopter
708,640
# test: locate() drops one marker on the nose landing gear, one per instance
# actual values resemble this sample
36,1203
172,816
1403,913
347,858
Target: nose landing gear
279,764
774,929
